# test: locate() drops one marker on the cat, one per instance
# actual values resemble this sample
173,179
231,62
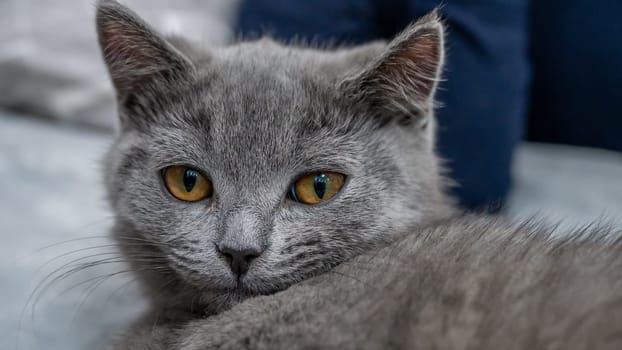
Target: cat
274,196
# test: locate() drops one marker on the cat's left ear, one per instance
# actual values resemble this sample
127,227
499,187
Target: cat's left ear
137,57
402,81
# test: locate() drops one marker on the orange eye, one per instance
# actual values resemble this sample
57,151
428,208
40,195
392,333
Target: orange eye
187,184
317,187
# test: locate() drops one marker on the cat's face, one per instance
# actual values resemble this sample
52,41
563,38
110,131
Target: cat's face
242,170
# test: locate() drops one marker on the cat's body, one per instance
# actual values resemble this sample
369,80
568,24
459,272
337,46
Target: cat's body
252,123
470,283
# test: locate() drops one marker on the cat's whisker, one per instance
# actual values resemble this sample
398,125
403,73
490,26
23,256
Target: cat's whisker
73,240
51,279
143,240
113,261
45,283
80,230
76,251
87,265
159,293
115,253
87,293
90,280
99,281
118,289
105,237
72,262
72,252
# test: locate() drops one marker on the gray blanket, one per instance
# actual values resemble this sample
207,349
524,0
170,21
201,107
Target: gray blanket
50,62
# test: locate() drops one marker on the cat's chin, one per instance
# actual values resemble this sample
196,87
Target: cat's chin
207,300
215,301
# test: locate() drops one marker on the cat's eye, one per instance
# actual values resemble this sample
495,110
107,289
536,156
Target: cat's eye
318,187
187,184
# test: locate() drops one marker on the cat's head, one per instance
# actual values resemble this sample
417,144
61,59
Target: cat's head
242,170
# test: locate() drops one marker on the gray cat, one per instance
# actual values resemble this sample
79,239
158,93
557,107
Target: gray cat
280,197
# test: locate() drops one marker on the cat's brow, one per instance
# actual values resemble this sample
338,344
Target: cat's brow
175,147
318,162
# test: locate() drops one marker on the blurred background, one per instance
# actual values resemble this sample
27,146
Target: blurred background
531,123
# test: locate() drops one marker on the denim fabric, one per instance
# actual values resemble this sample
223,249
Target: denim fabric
577,90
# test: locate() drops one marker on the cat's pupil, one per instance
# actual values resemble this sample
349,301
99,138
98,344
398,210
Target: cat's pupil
319,184
190,179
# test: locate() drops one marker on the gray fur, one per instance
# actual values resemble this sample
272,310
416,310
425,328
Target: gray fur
470,283
253,117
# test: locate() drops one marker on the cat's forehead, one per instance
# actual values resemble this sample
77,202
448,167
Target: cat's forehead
266,93
270,65
267,54
254,117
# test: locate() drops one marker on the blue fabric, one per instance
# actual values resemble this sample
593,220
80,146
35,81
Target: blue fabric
577,89
487,72
346,21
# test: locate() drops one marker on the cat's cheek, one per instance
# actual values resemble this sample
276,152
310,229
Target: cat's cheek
302,232
151,211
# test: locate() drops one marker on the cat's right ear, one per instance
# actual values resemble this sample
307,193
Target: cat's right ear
400,83
138,58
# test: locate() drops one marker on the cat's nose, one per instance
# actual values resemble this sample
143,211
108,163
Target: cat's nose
239,259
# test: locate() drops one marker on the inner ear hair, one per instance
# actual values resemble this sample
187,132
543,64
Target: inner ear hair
401,83
133,51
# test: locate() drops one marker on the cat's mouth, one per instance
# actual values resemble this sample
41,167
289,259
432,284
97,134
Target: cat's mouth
247,287
235,295
242,290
